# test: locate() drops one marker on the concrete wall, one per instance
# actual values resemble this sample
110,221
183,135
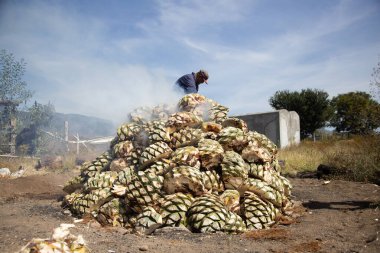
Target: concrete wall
282,127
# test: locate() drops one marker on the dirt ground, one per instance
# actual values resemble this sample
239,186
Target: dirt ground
339,216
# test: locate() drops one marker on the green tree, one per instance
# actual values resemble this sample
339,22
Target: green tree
12,86
356,113
13,92
375,82
41,115
38,117
312,106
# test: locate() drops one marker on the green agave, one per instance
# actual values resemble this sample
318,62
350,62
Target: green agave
253,153
182,120
185,137
80,203
211,153
210,127
114,213
234,170
161,167
207,214
191,101
218,113
154,152
148,217
143,190
235,224
157,131
118,164
128,131
237,123
185,179
263,172
212,181
188,156
258,214
124,177
100,180
232,138
263,142
173,209
231,200
101,163
123,149
265,191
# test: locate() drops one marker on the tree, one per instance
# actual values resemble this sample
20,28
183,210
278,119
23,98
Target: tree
312,106
375,82
12,92
355,112
12,87
39,116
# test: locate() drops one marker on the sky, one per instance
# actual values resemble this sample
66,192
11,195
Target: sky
105,58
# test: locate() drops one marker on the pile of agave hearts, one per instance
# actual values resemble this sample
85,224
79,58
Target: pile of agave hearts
188,166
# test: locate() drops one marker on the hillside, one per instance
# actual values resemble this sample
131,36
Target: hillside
85,126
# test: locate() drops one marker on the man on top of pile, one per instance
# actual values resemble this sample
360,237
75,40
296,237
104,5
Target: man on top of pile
190,83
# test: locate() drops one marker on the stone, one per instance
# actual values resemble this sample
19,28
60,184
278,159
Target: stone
170,230
143,248
5,172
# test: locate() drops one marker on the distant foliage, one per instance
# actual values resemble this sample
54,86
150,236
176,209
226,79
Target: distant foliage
312,106
375,81
39,116
356,113
12,86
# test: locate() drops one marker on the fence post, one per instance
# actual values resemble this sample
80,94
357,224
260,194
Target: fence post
67,135
77,137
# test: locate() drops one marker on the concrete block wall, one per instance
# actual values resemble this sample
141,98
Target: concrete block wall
282,127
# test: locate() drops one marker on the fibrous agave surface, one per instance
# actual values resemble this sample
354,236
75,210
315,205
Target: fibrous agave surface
190,166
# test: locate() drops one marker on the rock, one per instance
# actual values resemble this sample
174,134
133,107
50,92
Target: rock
5,172
372,238
171,230
94,224
326,171
143,248
18,173
118,230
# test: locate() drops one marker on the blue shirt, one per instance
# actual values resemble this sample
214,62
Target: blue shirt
187,83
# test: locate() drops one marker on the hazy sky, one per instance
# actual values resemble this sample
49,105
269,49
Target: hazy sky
104,58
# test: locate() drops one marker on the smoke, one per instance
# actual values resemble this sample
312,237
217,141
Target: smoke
72,62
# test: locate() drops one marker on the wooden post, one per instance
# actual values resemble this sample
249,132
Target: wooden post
67,135
12,130
9,115
77,137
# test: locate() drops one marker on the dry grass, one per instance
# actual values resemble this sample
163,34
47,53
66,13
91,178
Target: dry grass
304,157
358,156
14,163
57,163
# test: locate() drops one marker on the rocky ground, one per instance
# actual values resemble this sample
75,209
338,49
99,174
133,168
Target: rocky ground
339,216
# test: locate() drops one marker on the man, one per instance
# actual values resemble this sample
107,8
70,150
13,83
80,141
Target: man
190,83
